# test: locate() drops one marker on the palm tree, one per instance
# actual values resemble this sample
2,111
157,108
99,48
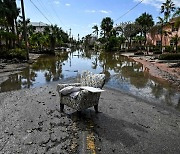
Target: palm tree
167,8
177,16
176,39
55,36
12,13
106,26
177,12
2,20
130,31
20,29
96,30
87,40
8,15
16,24
161,22
146,22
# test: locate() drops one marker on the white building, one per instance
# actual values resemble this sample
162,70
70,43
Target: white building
38,26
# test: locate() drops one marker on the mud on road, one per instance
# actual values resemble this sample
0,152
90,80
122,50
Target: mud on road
31,123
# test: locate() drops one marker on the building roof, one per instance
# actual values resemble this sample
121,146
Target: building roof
38,24
174,19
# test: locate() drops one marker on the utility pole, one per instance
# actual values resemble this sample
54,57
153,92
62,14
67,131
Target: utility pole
70,36
70,32
78,37
24,29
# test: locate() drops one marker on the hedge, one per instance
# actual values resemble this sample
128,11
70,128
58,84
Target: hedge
139,53
170,56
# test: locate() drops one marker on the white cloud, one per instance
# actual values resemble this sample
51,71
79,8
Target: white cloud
105,12
100,11
90,11
56,2
67,4
158,3
95,23
177,3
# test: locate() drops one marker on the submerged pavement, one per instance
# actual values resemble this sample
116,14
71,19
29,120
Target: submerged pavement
30,122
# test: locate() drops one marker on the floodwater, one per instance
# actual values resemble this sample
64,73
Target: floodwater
121,72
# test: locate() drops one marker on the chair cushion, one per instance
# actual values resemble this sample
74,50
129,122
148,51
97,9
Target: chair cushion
69,89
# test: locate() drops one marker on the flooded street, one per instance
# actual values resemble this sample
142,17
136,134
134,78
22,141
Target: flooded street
138,113
121,73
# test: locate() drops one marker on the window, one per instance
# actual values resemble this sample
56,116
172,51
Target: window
159,31
174,28
158,43
172,42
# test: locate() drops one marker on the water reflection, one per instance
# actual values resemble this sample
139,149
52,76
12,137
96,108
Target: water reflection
121,73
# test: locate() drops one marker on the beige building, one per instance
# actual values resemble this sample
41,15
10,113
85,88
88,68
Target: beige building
167,36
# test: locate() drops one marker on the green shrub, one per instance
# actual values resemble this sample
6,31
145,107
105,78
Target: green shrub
157,52
168,49
139,53
17,53
151,48
178,49
132,50
111,44
3,51
170,56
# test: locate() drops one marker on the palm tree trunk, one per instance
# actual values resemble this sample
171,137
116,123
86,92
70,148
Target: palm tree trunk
13,31
161,37
17,32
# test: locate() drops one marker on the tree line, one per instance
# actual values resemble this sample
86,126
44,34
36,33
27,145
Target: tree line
115,37
12,42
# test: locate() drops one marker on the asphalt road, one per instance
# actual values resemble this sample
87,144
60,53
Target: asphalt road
30,122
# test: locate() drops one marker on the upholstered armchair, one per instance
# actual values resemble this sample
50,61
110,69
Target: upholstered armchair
78,98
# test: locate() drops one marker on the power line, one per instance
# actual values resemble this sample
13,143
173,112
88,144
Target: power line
46,10
129,10
40,12
57,15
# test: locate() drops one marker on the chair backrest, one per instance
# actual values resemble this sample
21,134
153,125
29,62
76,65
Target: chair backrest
92,80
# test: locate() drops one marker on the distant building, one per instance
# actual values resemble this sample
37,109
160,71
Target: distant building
38,26
92,40
169,32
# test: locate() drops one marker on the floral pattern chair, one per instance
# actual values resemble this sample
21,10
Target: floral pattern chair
84,98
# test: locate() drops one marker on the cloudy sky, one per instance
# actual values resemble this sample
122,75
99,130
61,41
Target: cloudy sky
81,15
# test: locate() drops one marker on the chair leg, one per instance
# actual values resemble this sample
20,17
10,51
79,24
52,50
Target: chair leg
61,107
96,108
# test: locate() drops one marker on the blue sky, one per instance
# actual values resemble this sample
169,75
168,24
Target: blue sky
81,15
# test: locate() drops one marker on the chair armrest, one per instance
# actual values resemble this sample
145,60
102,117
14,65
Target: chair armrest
85,99
85,95
61,86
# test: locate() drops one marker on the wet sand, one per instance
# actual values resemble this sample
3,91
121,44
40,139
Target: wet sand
158,69
10,68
